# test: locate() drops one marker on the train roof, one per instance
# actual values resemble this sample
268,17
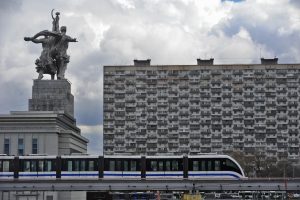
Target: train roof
79,156
37,157
6,157
163,156
117,156
209,156
122,156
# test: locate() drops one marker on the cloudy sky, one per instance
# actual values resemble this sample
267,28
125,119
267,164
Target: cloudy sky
114,32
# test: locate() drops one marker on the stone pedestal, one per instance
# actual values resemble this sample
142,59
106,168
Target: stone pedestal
52,95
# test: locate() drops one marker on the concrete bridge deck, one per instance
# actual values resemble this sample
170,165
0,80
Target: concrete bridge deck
144,185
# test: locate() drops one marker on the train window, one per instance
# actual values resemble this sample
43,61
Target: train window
195,165
111,165
198,165
91,165
126,165
161,165
82,165
48,166
33,166
41,165
76,165
217,165
70,165
153,165
6,166
202,165
232,166
168,165
119,165
209,165
133,165
229,163
175,165
26,166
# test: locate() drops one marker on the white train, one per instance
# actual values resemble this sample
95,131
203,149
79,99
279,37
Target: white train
206,166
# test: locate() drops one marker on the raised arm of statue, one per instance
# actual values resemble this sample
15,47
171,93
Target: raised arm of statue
44,33
69,39
34,40
55,22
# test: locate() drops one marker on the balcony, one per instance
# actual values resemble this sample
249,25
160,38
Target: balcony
281,81
293,123
216,91
183,105
281,108
238,72
227,77
227,122
205,104
142,95
225,104
248,96
249,104
194,127
184,123
237,90
216,72
226,95
173,100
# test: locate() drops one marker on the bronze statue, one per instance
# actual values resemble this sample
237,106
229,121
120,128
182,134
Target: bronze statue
54,57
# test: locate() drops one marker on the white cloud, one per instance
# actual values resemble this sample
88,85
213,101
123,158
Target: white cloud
98,28
126,4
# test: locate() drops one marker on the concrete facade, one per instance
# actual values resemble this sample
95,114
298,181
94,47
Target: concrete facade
191,109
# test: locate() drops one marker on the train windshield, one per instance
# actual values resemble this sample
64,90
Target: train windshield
213,164
229,165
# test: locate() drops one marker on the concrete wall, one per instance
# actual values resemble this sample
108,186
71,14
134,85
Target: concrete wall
71,143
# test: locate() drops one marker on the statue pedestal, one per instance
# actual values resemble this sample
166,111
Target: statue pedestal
52,95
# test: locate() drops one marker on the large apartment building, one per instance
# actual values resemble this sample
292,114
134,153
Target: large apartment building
191,109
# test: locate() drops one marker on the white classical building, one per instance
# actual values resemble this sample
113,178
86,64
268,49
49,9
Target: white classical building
48,128
40,132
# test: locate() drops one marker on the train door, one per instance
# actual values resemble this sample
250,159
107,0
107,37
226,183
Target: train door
197,168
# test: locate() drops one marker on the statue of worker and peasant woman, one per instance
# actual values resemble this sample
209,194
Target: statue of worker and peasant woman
54,58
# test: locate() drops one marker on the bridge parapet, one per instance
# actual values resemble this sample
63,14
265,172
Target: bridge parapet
154,185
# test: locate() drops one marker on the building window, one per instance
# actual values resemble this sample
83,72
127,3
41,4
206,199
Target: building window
6,146
34,145
21,146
